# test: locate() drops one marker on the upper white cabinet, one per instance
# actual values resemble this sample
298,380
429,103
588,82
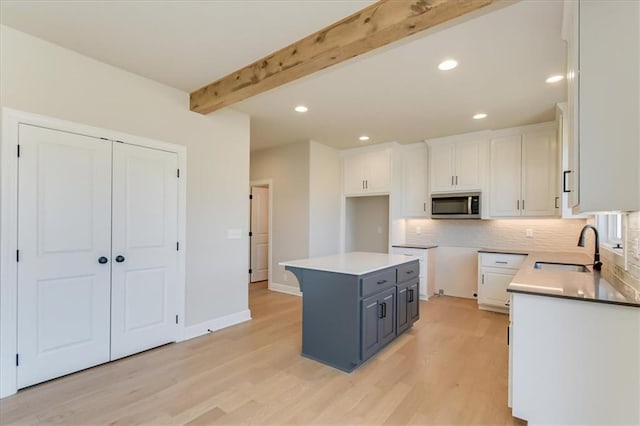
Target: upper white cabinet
456,165
523,178
604,104
415,201
367,172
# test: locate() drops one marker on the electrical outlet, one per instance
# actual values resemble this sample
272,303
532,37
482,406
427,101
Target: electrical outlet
529,233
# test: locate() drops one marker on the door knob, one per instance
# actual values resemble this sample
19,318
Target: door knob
102,260
119,258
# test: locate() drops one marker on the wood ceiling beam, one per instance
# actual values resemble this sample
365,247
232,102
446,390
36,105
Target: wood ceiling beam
374,26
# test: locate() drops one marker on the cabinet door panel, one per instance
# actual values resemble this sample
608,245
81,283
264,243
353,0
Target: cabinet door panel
371,312
377,171
403,312
468,165
388,320
505,176
442,166
539,174
353,174
413,304
414,182
493,286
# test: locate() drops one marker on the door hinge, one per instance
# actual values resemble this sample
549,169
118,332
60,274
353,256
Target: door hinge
177,245
250,234
18,150
17,360
250,196
250,270
176,318
17,255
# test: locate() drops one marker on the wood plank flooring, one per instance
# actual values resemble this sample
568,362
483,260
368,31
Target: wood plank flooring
450,368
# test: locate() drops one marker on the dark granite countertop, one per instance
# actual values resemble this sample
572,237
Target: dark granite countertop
583,286
415,246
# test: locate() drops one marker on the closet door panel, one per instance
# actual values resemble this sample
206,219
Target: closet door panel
145,200
64,229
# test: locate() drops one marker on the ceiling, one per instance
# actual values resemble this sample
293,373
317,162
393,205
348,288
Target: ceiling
392,94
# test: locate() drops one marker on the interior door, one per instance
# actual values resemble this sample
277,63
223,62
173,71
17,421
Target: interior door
144,249
64,222
260,233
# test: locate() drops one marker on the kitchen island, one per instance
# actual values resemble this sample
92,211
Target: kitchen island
353,304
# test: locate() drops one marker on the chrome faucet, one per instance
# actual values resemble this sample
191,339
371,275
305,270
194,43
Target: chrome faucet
597,265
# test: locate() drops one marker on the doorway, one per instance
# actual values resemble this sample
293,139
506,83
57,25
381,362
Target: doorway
260,232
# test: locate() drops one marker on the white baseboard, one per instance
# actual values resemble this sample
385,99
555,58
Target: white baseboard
215,324
281,288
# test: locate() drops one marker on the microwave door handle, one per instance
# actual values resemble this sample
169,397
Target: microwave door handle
469,205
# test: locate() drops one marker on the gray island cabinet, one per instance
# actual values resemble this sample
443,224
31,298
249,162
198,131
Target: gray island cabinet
353,304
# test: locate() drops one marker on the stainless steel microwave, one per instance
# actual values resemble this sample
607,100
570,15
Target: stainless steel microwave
455,206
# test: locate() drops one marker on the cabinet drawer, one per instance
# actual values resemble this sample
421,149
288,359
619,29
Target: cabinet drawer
408,271
498,260
378,281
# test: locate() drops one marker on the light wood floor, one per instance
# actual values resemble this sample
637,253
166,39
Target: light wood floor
450,368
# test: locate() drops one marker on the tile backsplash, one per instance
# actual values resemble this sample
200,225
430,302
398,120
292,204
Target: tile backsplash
628,281
544,234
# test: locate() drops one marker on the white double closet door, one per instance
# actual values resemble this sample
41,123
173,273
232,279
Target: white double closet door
97,233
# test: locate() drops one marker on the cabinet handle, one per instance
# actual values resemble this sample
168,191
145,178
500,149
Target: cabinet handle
452,181
363,184
518,205
424,207
556,204
482,278
381,311
409,272
410,298
366,184
564,181
102,260
507,335
522,204
508,303
384,309
456,180
502,262
382,282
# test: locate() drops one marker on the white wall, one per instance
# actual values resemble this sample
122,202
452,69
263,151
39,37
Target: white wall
325,189
42,78
288,168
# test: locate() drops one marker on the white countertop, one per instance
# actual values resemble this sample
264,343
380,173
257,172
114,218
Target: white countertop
354,263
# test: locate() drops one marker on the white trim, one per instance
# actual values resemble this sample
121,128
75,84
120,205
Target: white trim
11,120
269,184
282,288
215,324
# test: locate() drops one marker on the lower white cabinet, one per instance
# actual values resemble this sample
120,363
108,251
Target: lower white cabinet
495,272
427,271
574,361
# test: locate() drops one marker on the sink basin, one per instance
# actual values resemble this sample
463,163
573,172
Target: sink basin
552,266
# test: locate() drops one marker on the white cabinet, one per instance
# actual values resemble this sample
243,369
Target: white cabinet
565,200
495,272
523,177
367,172
415,202
573,361
427,271
603,95
456,165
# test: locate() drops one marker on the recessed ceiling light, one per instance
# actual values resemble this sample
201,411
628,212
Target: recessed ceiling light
480,116
554,78
364,138
301,108
447,65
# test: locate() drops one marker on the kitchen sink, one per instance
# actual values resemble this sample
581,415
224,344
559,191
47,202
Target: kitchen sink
552,266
